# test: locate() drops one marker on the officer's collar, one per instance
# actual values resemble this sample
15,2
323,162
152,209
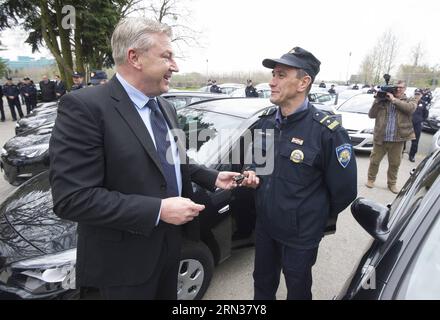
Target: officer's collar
298,114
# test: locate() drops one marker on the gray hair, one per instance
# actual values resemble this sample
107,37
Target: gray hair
135,33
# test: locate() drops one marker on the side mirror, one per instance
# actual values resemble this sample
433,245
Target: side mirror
373,217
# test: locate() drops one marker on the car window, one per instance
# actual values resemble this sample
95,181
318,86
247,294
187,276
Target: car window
211,131
422,280
178,102
323,98
358,104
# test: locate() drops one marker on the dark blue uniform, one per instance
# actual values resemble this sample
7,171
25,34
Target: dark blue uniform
2,111
77,87
314,179
11,90
418,116
29,91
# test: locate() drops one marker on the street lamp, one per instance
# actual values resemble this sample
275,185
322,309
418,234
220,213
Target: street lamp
348,67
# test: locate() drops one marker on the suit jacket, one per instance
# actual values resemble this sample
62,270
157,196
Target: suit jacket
106,175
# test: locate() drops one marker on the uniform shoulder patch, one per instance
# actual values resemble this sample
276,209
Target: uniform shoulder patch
343,153
268,112
326,120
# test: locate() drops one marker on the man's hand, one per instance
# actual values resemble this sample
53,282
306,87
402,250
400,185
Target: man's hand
179,210
390,97
225,180
251,180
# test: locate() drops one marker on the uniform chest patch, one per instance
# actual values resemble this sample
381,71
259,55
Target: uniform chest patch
343,153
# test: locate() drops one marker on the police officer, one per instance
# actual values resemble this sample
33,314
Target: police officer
2,111
418,117
60,87
314,178
29,91
250,90
78,81
11,92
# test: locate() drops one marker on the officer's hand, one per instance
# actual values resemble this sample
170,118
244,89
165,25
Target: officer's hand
179,210
251,180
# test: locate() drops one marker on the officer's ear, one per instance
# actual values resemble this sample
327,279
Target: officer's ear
304,83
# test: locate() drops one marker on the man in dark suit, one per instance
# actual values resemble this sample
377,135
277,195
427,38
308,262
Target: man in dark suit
109,171
60,87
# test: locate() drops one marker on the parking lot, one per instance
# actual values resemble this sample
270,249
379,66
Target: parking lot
338,253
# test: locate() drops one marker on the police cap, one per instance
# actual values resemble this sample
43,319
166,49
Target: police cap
297,58
77,74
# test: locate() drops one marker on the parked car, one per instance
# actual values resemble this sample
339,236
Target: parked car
435,144
403,261
343,96
227,88
35,121
181,99
432,124
26,155
355,120
38,249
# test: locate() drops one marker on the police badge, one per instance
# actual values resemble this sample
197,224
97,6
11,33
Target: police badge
297,156
343,153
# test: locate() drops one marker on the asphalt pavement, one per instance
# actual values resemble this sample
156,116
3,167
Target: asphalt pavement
338,253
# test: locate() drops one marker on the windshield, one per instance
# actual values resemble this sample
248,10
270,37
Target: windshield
211,132
358,104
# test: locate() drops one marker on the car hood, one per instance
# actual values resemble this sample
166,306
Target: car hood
356,121
30,138
28,224
434,112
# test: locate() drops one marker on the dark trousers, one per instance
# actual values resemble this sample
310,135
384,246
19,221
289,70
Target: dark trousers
2,111
15,103
415,143
162,285
271,257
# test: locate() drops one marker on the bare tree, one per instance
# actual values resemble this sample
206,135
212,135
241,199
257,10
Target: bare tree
382,58
417,54
176,14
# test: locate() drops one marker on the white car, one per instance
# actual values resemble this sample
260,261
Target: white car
355,120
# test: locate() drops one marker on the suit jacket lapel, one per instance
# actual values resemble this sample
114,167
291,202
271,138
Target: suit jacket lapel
127,110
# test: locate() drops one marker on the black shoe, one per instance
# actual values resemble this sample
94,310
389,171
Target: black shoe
412,159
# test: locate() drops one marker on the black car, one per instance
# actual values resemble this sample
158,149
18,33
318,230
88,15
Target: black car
403,261
38,249
26,154
432,124
181,99
43,114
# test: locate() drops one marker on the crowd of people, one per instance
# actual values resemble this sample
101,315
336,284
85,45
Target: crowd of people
25,92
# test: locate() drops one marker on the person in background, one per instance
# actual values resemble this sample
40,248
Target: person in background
393,126
215,88
78,81
47,88
10,90
250,90
418,117
29,92
60,87
332,89
2,111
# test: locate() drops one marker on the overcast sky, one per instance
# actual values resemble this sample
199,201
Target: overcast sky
238,34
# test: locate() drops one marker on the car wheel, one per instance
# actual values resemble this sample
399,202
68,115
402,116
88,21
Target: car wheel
195,271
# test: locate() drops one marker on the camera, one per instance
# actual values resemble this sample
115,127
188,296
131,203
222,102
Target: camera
382,93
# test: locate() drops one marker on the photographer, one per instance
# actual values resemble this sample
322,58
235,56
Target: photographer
393,126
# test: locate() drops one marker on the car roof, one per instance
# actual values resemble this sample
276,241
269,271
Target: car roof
192,94
237,107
